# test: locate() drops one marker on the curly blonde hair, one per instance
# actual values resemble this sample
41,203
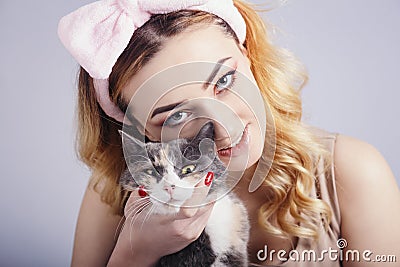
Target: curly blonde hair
280,79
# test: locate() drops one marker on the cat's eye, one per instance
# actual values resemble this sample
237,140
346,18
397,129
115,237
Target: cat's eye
188,169
150,172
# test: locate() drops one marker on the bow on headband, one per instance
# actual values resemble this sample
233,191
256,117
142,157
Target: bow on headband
97,34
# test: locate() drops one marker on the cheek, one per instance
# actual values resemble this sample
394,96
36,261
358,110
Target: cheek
257,120
256,144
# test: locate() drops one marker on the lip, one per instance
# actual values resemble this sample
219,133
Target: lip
237,140
240,146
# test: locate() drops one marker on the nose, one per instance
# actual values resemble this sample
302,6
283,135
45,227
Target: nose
225,118
169,188
227,123
223,131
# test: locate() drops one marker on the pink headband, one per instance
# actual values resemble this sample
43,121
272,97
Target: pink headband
97,34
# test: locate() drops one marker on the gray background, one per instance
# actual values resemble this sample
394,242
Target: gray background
350,48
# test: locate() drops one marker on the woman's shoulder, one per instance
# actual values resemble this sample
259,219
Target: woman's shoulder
366,192
357,161
361,170
368,195
96,231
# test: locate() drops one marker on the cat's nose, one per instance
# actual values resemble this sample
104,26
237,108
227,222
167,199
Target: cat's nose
169,188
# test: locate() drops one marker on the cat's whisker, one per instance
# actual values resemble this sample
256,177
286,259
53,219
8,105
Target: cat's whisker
138,206
135,204
141,199
136,215
136,210
147,215
129,211
133,220
118,230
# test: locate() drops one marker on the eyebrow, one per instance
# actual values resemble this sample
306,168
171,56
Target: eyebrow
215,71
165,108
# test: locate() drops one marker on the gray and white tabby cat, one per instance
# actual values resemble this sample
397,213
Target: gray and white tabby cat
169,171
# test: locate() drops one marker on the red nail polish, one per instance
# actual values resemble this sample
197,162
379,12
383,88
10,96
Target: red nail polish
142,192
209,178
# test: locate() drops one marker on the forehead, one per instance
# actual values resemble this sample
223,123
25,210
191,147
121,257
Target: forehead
204,44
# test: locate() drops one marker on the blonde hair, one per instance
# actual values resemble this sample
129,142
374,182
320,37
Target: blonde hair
280,79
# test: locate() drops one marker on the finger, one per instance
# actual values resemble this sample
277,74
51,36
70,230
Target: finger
201,217
199,198
199,221
203,211
206,181
199,194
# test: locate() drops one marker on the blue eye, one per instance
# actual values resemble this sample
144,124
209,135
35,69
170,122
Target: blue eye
226,81
176,118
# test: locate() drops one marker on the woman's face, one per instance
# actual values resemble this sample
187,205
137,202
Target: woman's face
201,75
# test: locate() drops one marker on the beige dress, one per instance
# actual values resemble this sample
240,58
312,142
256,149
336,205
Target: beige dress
328,240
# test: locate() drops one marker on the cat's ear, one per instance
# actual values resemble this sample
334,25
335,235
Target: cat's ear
204,140
206,131
132,144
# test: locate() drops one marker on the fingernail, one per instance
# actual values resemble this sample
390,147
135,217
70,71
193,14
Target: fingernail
141,191
209,178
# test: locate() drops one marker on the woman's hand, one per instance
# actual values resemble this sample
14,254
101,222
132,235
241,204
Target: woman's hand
145,237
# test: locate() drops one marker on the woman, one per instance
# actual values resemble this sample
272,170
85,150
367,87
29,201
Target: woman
303,203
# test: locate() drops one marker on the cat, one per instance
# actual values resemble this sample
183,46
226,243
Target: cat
181,163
